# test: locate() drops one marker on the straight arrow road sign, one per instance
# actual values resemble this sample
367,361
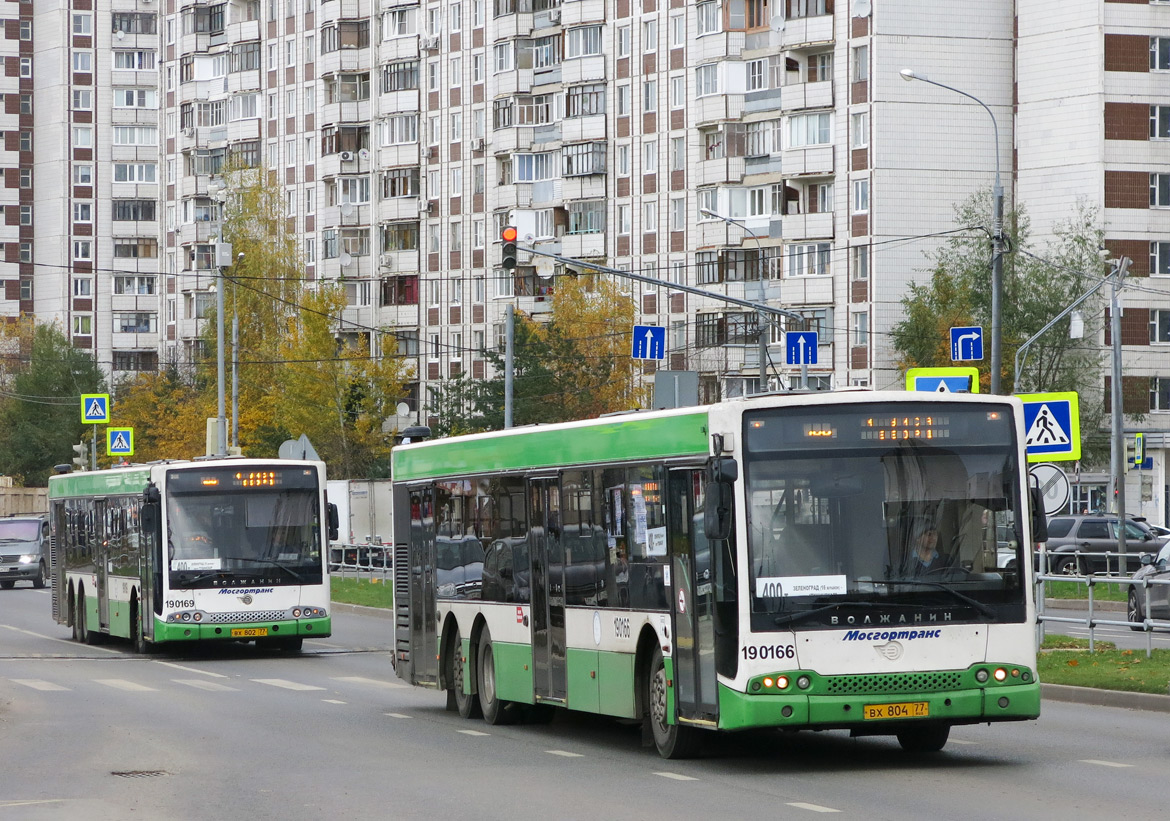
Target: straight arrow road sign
800,348
649,342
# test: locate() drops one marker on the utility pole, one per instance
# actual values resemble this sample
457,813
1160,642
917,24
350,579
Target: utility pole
1117,454
508,340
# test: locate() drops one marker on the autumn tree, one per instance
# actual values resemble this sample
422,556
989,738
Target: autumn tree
168,414
44,377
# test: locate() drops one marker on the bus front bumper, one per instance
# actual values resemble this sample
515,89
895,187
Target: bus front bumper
242,631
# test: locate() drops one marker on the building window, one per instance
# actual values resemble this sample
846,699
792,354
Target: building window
82,249
1160,325
1160,393
649,96
860,64
861,196
583,41
83,212
859,129
1160,190
1160,54
707,80
82,324
809,129
757,75
1160,122
809,259
83,287
82,99
709,19
859,262
807,8
585,100
83,25
860,329
1160,258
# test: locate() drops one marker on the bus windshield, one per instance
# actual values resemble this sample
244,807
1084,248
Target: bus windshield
225,529
889,514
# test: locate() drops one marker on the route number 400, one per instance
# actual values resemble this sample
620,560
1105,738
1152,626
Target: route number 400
769,651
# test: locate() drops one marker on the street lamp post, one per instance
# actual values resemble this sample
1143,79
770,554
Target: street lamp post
761,320
909,74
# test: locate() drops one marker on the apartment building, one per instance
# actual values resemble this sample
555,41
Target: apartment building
16,197
1094,127
97,195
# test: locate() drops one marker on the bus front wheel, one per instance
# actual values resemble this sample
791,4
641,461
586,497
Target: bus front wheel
672,740
926,738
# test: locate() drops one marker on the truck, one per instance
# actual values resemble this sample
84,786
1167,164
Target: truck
364,510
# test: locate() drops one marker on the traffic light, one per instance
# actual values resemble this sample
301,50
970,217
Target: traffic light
509,235
81,460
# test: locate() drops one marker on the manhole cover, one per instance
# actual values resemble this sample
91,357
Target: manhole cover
139,773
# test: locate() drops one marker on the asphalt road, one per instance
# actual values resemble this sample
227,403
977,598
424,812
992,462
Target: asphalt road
235,733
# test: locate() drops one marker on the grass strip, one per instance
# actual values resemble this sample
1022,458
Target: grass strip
368,592
1067,660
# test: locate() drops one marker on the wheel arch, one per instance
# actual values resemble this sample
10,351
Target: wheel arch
648,642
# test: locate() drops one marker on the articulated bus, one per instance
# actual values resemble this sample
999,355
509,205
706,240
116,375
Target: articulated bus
186,551
802,562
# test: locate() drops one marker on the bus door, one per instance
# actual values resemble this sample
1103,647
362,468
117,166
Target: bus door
101,556
548,589
694,600
424,640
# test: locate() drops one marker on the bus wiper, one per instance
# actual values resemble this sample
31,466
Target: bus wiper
963,597
801,615
273,562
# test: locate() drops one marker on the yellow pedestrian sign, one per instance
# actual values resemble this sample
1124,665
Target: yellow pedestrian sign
119,441
943,380
95,408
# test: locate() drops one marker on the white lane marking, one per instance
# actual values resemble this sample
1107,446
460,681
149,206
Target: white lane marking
123,684
1103,763
332,701
961,741
200,684
800,805
396,715
38,684
476,733
55,638
677,776
564,753
191,669
377,682
32,802
286,684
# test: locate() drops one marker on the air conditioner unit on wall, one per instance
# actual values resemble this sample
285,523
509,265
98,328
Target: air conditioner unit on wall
346,156
477,144
554,15
431,43
387,262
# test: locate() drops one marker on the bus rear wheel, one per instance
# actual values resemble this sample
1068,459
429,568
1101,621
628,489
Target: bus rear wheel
495,711
672,740
466,703
927,738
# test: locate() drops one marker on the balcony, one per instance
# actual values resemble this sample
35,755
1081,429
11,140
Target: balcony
400,208
807,95
398,102
583,70
804,31
816,160
577,129
232,83
344,60
583,245
354,111
714,108
808,226
719,46
711,172
517,81
244,129
816,290
392,156
243,31
591,187
398,262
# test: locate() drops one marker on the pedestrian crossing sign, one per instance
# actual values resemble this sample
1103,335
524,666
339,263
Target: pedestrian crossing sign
95,408
1052,426
119,441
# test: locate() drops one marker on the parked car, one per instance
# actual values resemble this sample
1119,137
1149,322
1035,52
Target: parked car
1159,531
1096,534
1155,566
24,550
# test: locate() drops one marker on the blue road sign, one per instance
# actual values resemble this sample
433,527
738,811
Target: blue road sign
119,441
800,348
95,408
1052,426
967,344
649,342
943,384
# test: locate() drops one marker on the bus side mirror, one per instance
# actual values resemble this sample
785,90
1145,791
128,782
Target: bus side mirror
149,514
334,522
717,511
1039,521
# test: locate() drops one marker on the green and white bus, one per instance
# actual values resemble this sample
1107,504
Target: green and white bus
745,565
204,550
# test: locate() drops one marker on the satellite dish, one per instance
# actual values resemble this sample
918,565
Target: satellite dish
346,259
364,153
403,409
119,34
346,209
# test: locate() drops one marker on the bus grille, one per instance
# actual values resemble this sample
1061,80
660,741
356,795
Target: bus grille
894,683
234,618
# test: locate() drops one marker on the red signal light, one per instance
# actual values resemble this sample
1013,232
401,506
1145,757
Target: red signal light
509,234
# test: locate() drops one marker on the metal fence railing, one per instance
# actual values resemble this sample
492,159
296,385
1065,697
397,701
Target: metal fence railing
1076,573
361,559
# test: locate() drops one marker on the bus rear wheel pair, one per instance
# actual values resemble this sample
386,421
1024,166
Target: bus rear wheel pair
485,703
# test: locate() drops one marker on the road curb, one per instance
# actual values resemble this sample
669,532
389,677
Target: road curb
1105,698
1083,604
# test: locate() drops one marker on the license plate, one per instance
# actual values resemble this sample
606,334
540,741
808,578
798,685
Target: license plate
249,632
901,709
